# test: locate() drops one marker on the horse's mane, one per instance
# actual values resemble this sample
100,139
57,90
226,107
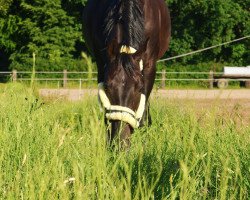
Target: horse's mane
129,15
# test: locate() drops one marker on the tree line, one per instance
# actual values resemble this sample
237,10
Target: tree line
52,30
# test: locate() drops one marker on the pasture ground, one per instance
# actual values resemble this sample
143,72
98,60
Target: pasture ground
227,102
56,149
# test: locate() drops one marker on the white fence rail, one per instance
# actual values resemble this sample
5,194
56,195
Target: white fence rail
65,77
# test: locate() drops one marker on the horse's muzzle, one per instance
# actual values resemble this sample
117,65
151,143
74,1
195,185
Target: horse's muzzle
121,113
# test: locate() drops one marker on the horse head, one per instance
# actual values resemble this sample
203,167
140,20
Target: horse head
122,92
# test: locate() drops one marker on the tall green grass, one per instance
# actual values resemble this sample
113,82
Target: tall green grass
57,150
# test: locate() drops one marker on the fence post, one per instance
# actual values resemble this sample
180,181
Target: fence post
211,79
65,78
14,75
80,84
163,79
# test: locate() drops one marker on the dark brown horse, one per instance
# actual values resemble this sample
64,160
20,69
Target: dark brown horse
126,37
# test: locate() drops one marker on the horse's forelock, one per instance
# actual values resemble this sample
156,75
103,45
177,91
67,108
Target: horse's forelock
133,18
129,14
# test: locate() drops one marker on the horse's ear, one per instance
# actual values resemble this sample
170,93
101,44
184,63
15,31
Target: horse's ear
138,55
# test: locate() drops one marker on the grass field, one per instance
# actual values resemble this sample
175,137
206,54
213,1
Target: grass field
54,149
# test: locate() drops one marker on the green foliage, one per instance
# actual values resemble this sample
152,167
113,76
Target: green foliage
4,6
199,24
52,30
40,27
58,150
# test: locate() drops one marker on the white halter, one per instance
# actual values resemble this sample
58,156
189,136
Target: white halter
116,112
125,114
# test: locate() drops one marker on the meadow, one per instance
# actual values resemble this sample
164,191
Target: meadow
55,149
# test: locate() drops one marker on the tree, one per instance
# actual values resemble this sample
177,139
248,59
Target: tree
4,6
42,27
198,24
52,29
5,29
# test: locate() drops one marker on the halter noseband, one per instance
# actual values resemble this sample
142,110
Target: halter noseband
121,113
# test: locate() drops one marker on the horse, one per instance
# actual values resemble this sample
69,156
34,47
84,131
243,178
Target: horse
126,38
